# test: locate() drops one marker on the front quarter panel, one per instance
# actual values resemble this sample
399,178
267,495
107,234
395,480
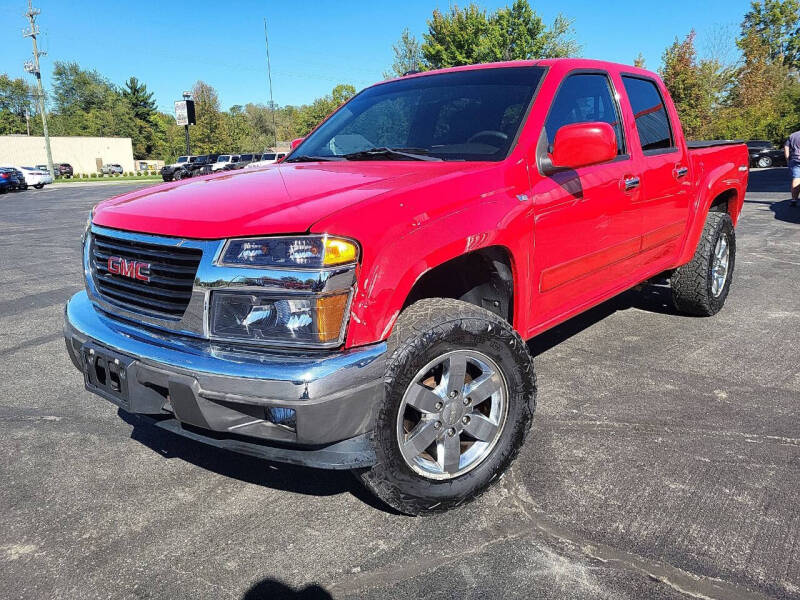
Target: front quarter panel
405,233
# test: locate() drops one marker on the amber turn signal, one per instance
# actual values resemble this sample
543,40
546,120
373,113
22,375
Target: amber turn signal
330,315
339,251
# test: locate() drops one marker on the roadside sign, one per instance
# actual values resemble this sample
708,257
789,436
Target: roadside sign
184,112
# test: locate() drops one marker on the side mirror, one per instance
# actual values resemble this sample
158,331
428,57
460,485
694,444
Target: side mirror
296,143
583,144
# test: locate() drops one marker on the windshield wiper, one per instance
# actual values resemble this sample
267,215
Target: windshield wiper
392,154
306,158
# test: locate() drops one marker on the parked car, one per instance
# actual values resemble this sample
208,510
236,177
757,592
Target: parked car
764,154
223,160
168,171
267,158
63,170
244,160
36,177
5,181
367,305
111,169
15,179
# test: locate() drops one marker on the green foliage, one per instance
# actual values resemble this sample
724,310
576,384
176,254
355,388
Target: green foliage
407,56
310,116
776,26
470,35
209,135
639,61
16,97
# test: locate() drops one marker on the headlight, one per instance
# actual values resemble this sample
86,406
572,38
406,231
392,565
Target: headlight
260,317
312,251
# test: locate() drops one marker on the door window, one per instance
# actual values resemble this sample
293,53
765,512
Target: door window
652,120
584,98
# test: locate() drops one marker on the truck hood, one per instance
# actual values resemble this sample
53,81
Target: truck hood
281,198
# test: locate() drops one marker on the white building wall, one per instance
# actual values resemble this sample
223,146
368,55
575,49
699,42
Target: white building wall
81,152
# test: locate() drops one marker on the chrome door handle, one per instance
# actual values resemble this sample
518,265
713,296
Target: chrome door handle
631,183
681,172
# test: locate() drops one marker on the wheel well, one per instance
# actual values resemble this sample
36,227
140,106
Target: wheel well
723,202
483,278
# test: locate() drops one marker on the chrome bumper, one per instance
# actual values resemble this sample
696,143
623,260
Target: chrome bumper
212,387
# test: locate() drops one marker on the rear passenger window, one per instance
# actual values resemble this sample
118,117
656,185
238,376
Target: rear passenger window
584,98
652,121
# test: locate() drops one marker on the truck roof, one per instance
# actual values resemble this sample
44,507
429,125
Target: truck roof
568,63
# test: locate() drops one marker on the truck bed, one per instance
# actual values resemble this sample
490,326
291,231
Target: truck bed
697,144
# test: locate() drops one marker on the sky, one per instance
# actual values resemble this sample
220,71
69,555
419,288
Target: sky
314,44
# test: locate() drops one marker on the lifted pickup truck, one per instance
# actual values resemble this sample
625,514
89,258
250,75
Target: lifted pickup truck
364,304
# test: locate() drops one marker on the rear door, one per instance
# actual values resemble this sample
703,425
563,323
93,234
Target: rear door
586,224
664,169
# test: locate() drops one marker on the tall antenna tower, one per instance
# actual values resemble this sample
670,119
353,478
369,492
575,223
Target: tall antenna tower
269,75
32,67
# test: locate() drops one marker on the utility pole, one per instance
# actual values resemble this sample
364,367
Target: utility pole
269,74
33,68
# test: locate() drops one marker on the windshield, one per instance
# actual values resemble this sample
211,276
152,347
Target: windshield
267,157
183,159
224,158
465,115
246,157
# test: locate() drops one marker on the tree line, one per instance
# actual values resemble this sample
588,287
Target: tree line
754,96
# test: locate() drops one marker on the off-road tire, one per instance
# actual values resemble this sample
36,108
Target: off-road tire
427,329
691,283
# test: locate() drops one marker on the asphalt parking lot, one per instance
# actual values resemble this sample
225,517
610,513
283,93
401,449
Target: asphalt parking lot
664,460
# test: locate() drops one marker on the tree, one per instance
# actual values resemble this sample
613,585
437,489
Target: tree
407,56
639,61
310,116
468,36
209,134
16,100
139,99
775,25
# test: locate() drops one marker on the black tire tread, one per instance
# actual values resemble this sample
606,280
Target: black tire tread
691,293
417,326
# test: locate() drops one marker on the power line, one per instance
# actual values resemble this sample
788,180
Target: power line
33,68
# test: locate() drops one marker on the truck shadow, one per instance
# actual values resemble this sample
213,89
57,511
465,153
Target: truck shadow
782,210
272,589
654,296
249,469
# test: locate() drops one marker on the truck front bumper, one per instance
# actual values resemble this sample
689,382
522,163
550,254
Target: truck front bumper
315,409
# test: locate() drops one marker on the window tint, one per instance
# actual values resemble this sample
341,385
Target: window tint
652,121
467,115
584,98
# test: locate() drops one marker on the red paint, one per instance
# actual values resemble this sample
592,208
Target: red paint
575,239
583,144
296,142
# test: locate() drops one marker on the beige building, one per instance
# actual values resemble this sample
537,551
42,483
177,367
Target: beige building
85,154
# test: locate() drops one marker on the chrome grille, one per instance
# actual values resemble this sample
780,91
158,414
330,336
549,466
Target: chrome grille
172,274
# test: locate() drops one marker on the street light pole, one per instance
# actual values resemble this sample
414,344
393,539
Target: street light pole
33,68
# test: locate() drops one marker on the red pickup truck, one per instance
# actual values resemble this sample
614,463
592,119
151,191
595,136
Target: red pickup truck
365,303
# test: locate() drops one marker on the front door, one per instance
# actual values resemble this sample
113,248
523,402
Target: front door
587,228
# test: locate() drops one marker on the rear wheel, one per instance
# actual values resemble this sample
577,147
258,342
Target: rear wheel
459,398
701,286
765,162
38,186
177,176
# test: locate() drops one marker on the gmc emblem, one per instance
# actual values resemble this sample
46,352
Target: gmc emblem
129,268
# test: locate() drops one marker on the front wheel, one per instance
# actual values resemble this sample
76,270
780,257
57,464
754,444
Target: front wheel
459,396
38,186
701,286
765,162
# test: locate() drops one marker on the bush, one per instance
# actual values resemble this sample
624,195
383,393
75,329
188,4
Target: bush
94,175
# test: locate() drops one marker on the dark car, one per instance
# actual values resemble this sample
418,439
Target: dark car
244,160
196,165
14,179
63,169
764,154
5,181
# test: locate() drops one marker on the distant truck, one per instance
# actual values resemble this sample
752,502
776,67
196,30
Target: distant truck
188,166
365,303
